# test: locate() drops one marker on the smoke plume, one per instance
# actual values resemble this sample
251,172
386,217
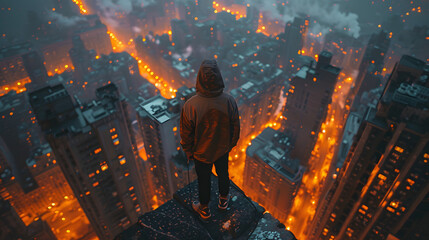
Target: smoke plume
124,6
64,21
109,9
326,14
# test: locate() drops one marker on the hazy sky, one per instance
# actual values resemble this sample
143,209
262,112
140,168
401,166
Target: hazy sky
13,22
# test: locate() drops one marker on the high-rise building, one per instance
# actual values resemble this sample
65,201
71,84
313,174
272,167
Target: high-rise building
159,120
35,68
13,75
252,17
271,177
259,97
293,38
81,58
179,30
371,66
93,148
385,176
307,104
17,136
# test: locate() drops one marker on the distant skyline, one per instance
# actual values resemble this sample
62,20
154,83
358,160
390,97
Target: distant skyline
14,21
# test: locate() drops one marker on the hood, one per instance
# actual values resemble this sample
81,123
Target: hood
209,79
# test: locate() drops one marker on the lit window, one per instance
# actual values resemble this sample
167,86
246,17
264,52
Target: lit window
382,177
98,150
394,204
104,167
399,149
390,209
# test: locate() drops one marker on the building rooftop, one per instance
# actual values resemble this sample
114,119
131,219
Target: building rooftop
10,101
175,219
159,108
15,50
412,62
413,95
332,69
302,73
273,148
57,113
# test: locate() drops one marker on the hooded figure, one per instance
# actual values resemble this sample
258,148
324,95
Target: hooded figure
209,129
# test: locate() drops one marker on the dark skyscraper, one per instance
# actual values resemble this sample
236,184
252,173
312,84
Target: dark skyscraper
371,66
252,16
293,38
81,58
179,31
385,175
93,148
35,68
307,104
16,140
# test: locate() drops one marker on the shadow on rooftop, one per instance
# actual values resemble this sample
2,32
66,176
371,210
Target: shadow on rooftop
175,219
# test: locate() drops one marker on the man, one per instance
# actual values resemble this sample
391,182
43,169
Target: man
209,129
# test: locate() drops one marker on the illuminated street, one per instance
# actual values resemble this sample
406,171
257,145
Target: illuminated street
331,99
68,221
316,177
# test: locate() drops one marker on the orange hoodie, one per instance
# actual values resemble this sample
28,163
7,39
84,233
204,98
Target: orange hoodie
209,123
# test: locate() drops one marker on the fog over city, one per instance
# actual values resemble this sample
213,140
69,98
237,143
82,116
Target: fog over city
333,98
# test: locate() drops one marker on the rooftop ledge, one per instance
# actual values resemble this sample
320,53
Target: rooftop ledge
175,219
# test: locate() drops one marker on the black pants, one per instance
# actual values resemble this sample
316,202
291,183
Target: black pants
204,171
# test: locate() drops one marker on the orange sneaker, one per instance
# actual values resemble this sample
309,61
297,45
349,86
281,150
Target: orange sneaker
223,202
203,212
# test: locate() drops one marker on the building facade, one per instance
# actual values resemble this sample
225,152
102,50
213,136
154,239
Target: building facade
385,176
271,177
307,104
93,148
159,121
